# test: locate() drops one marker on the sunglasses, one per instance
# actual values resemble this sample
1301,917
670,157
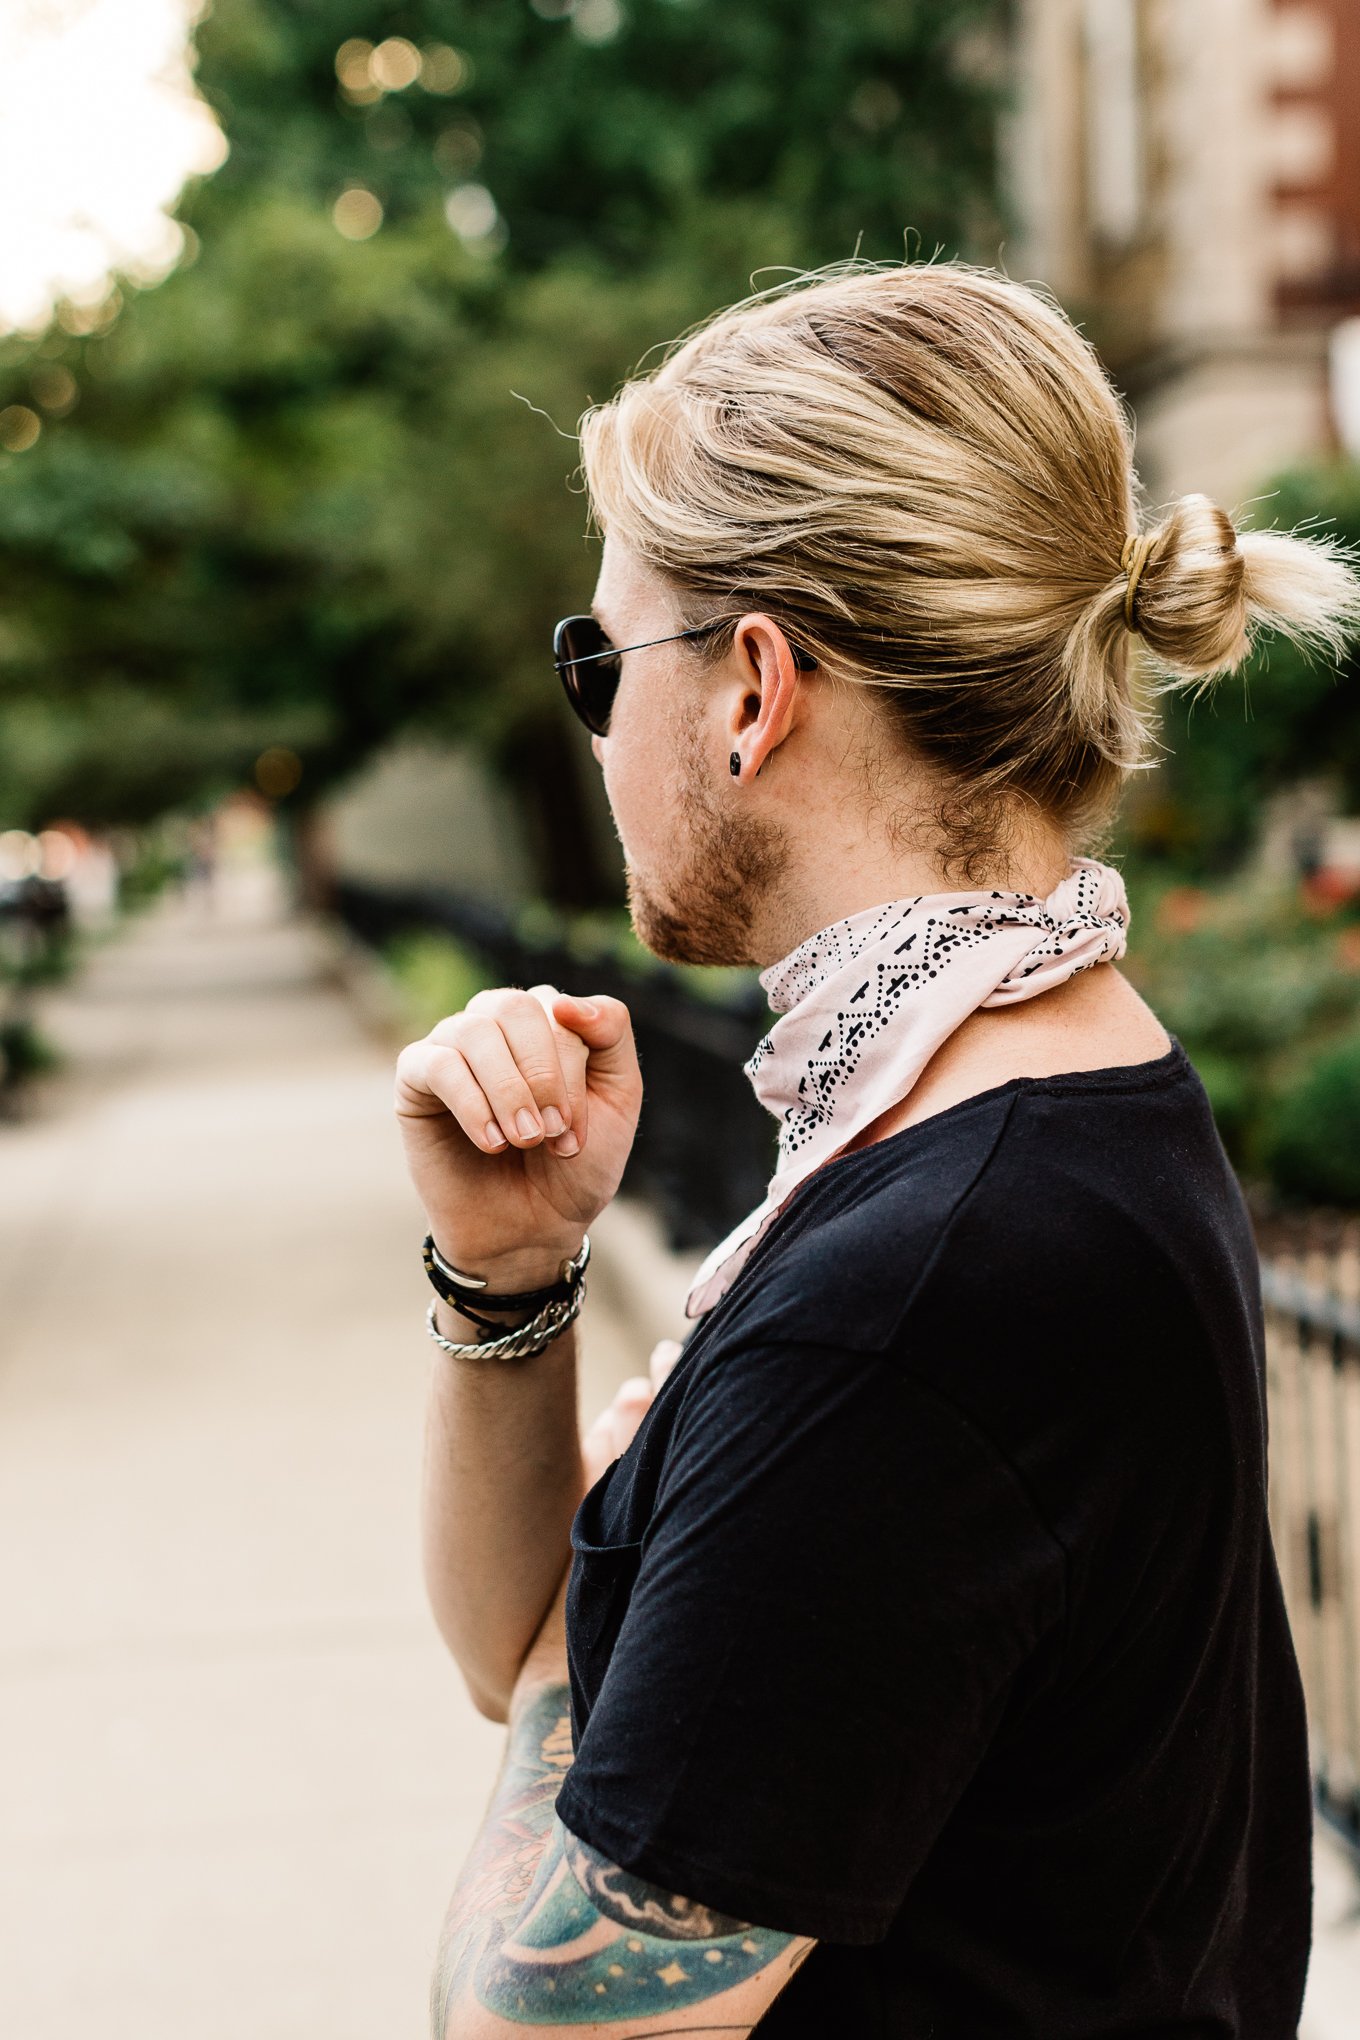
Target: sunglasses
590,668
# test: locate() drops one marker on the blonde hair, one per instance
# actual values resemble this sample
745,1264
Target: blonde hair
924,472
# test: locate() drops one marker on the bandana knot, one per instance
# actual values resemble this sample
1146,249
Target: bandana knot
868,1000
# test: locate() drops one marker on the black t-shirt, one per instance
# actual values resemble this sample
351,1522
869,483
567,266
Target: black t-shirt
932,1611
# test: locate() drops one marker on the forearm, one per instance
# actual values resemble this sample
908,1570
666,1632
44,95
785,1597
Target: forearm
502,1479
544,1931
508,1852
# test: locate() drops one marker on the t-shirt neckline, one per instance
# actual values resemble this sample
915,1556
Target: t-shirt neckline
1169,1066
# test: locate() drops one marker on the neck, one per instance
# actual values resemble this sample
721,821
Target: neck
833,893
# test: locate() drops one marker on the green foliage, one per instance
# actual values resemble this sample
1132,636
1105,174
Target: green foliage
1258,988
25,1052
315,489
151,865
1286,715
434,976
856,122
1313,1144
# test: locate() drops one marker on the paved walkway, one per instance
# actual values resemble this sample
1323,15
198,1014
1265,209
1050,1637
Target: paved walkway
239,1770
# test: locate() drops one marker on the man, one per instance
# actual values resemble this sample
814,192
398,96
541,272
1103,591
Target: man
921,1667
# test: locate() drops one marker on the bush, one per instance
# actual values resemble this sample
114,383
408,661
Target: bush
24,1052
1313,1145
435,976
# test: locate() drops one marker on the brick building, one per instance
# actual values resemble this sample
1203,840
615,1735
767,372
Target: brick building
1186,177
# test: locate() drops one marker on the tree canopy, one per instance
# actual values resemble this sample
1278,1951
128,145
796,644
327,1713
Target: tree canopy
315,486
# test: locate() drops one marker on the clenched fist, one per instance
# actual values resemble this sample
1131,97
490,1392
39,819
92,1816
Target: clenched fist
517,1116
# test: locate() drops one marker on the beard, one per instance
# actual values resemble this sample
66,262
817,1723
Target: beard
725,863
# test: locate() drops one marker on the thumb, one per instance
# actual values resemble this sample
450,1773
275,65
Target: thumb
605,1027
665,1354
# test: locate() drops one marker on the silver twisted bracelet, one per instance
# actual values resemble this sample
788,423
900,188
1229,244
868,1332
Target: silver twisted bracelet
520,1343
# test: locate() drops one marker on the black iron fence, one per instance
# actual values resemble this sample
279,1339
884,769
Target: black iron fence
1310,1281
705,1147
703,1156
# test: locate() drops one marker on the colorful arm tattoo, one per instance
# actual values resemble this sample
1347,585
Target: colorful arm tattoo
544,1931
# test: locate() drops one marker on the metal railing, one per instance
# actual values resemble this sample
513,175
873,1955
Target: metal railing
1310,1283
705,1147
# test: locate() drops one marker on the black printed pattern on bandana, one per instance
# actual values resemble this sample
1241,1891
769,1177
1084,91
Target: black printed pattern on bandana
924,954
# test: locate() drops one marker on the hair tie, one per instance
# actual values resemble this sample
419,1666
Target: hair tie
1133,559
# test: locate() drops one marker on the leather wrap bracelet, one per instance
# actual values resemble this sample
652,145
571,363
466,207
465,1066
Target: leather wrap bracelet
552,1307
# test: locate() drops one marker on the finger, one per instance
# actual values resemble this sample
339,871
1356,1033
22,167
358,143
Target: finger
542,1051
604,1025
574,1057
664,1356
482,1043
629,1407
599,1436
433,1077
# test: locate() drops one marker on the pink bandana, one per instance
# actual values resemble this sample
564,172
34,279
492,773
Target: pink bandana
868,1000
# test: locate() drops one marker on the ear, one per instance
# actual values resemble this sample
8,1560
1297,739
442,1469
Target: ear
771,691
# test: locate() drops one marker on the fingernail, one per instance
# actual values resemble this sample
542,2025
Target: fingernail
553,1122
526,1126
567,1145
584,1006
494,1136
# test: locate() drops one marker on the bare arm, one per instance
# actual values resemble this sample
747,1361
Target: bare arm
503,1470
544,1931
502,1478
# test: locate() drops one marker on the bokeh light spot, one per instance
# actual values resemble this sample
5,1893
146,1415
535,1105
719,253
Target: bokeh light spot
20,855
357,213
351,66
395,64
58,854
444,68
596,21
19,428
55,388
458,148
471,211
277,771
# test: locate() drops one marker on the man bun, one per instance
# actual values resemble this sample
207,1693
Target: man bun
1206,590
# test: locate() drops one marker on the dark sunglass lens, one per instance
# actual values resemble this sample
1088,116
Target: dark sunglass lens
591,686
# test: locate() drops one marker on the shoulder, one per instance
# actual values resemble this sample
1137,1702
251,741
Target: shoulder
1037,1176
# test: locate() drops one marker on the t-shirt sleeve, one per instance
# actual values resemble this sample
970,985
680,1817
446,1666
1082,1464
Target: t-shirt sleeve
837,1588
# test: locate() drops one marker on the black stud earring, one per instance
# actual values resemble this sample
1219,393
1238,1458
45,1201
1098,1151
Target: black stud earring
734,763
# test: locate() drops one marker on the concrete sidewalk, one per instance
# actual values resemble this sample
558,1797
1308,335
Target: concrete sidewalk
239,1768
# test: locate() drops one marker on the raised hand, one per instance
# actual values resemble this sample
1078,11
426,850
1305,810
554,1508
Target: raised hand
509,1189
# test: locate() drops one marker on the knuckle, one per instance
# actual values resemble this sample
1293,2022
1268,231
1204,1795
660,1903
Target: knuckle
493,1000
478,1031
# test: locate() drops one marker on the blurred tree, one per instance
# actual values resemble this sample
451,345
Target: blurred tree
314,486
600,123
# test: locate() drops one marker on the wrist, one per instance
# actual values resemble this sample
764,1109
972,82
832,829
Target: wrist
507,1273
